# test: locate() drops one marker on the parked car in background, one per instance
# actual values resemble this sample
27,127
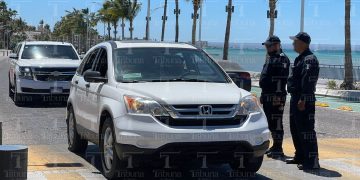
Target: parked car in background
240,77
150,100
39,69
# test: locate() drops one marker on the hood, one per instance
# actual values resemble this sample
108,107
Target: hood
49,62
187,92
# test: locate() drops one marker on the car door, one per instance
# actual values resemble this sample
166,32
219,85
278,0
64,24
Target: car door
13,63
93,90
83,117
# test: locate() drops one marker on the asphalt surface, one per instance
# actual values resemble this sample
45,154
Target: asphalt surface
43,123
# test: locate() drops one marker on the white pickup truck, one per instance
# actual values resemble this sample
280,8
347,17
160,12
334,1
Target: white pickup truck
41,68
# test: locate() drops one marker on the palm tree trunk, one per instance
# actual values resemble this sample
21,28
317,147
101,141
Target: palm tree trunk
122,28
131,28
115,28
177,21
227,33
348,79
164,21
147,31
196,8
109,30
272,6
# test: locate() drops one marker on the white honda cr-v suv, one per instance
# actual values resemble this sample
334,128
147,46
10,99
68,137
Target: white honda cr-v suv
144,101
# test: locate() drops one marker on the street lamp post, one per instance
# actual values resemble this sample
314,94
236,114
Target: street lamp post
302,15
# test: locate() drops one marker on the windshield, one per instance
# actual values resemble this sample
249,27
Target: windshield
49,51
165,64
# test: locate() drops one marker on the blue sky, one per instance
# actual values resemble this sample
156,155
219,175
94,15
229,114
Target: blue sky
324,19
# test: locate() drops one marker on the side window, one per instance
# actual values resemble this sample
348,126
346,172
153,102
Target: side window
101,64
89,61
82,64
17,49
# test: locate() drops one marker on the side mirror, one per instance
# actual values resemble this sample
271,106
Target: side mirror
94,77
13,56
241,79
82,56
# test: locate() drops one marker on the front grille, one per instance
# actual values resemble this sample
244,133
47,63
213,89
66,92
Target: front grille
54,74
237,120
194,110
41,91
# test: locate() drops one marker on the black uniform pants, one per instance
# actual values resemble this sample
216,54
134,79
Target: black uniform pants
274,111
302,127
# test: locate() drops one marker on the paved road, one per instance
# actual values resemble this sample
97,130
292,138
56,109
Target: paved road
43,125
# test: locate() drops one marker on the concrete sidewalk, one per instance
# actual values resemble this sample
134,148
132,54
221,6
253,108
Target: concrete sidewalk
338,158
56,162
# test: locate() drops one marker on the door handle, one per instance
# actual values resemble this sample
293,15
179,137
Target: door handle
87,85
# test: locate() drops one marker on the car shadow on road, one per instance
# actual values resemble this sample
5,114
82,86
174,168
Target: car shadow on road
187,170
323,172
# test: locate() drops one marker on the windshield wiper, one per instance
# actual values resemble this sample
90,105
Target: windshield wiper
187,80
134,81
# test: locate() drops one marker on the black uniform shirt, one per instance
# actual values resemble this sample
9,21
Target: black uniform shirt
304,75
275,73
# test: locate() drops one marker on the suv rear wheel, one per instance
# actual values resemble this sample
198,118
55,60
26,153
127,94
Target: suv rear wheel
250,164
111,163
76,144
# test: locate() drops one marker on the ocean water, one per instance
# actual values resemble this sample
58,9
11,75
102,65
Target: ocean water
253,59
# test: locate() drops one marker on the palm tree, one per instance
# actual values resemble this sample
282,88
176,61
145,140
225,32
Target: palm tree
134,9
272,14
147,31
196,5
229,10
164,21
105,16
349,79
177,12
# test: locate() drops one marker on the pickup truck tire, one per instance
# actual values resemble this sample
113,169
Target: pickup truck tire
76,144
17,98
11,93
110,161
250,165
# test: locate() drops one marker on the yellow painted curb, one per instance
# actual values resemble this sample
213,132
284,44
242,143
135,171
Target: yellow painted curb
345,108
321,104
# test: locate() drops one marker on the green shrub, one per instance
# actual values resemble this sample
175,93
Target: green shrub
331,84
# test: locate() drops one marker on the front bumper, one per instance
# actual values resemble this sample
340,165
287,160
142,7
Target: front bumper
26,86
146,132
216,151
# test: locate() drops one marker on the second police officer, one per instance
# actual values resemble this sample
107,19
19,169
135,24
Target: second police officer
273,82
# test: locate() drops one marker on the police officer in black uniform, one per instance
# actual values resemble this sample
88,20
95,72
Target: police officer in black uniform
302,86
273,82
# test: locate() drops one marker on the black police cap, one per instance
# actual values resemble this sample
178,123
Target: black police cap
271,40
302,36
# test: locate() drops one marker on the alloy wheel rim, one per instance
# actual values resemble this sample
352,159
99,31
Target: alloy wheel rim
108,148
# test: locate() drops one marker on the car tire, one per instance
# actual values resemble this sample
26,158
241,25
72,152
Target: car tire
75,142
11,93
250,165
110,161
17,97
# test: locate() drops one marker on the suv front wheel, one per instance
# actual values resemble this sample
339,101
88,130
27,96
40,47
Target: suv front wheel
111,163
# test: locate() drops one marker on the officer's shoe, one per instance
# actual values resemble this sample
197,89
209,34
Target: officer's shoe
275,153
308,168
292,161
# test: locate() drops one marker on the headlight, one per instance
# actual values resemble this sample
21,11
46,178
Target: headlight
248,105
139,105
25,73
